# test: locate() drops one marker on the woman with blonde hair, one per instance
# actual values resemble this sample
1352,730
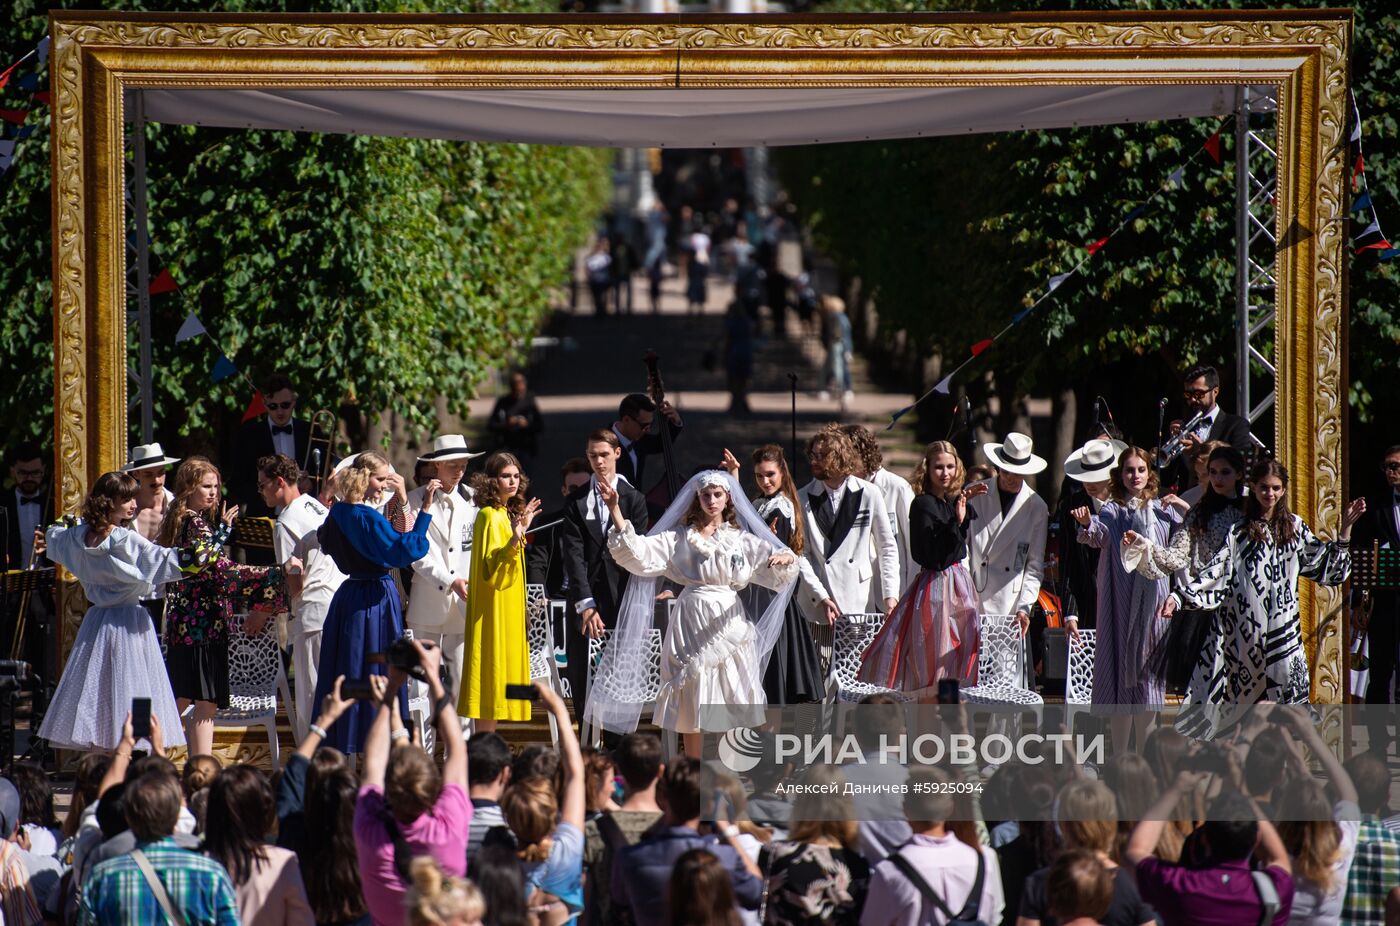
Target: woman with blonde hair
199,612
365,615
817,874
497,652
1086,818
932,634
1130,618
438,899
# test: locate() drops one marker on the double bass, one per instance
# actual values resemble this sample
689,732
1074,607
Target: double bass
668,486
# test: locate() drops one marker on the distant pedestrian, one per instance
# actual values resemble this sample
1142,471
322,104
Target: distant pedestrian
738,356
598,265
516,421
836,335
696,291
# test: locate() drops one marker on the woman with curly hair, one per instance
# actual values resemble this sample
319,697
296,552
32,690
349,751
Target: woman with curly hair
199,612
116,656
497,653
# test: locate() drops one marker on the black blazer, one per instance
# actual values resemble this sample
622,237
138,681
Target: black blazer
648,445
255,442
16,547
1232,429
591,570
544,557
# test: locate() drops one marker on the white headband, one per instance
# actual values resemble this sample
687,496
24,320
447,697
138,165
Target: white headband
712,478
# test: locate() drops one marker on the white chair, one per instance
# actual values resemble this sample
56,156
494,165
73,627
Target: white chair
539,633
1001,671
255,680
851,637
1079,679
635,682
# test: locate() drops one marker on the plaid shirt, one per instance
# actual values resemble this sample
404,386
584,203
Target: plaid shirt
1374,871
17,903
115,893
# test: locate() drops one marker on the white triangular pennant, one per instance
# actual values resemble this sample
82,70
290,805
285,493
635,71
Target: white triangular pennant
944,384
192,328
7,153
1059,278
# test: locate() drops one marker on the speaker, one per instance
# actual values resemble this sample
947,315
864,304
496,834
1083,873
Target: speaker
1056,664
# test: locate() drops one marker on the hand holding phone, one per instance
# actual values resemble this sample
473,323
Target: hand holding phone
948,691
522,693
140,718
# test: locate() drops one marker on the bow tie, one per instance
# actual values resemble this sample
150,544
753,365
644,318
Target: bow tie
30,500
282,429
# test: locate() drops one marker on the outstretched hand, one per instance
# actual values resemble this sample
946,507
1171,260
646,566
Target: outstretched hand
1081,515
1352,514
230,514
729,463
608,494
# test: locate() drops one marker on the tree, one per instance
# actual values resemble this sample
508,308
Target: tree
377,272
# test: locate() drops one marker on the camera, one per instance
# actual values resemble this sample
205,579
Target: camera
1209,758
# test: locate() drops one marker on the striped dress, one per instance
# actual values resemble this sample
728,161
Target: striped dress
1129,618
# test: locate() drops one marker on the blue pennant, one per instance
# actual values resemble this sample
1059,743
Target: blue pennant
223,369
1362,202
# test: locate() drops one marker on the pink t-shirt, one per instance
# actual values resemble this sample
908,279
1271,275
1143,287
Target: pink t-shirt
441,833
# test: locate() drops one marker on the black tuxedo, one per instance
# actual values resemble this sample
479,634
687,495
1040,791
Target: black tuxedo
254,443
41,607
649,444
544,558
592,573
16,547
1383,638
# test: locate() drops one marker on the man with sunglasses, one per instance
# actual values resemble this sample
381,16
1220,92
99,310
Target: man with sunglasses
1201,389
1381,525
279,432
634,431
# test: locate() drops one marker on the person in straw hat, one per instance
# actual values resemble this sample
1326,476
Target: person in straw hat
438,594
1006,546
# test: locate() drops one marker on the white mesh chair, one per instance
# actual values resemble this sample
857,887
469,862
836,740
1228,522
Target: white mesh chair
1079,680
851,637
636,683
539,633
255,680
1001,670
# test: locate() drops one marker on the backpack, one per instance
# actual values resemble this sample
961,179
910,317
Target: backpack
968,915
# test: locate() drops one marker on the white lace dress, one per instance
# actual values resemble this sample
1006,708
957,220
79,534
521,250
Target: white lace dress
710,655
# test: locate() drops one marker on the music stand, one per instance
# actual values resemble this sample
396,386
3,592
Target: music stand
1375,568
253,532
18,582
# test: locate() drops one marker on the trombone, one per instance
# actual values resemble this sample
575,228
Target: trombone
1172,448
317,465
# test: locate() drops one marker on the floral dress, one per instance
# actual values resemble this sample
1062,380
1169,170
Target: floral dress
809,884
200,611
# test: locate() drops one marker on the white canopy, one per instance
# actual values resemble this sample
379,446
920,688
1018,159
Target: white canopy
685,118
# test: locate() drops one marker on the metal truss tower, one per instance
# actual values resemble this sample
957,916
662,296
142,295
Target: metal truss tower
1256,242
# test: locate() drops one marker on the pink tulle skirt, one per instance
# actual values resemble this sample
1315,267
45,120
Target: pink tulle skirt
932,635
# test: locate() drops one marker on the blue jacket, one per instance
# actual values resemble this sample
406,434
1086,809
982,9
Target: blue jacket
642,872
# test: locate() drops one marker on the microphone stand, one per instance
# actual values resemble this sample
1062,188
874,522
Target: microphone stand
1161,419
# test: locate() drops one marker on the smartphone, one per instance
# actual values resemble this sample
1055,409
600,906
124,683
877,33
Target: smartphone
948,691
356,689
141,718
522,693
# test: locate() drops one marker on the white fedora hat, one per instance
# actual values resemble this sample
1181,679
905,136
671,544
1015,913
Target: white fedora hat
448,447
345,463
148,456
1094,461
1014,455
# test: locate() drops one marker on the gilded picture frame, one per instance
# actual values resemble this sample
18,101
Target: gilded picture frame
1303,53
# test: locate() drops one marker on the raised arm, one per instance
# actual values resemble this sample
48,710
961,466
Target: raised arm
572,806
386,692
454,769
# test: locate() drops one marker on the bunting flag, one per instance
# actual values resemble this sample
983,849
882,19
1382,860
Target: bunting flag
43,96
5,77
255,407
16,116
1134,214
1174,180
192,328
223,369
1381,245
28,81
1097,246
164,283
944,385
981,346
1390,254
1058,280
43,51
1356,121
1371,229
7,153
1212,146
1363,202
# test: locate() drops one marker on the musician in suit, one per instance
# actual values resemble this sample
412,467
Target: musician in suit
280,432
596,583
544,557
1381,525
26,508
1200,387
437,606
1006,547
850,542
636,436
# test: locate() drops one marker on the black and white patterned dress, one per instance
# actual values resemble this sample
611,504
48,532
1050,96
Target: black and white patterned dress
1254,650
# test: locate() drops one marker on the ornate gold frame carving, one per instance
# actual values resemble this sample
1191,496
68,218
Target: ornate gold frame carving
1303,52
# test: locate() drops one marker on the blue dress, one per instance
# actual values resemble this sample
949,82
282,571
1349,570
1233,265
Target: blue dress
365,615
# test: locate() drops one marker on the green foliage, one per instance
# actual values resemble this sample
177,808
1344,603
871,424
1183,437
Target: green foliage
955,235
378,272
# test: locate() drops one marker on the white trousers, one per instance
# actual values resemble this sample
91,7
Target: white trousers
306,657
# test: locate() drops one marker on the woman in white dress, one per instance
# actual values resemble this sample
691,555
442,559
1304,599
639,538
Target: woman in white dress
712,542
116,656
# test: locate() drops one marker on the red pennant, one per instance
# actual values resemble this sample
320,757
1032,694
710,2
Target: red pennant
1377,245
1360,165
163,283
5,77
1097,246
980,346
255,407
43,97
17,116
1212,146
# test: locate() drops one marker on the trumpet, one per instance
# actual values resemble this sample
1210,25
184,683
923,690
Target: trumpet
317,465
1172,448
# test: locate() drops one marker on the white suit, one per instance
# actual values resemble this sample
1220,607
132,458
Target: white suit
1006,556
434,612
864,547
899,497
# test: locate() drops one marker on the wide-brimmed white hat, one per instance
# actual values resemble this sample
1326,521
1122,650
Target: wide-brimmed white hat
148,456
345,463
1014,455
448,447
1094,461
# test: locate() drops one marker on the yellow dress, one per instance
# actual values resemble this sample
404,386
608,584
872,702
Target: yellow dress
497,653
